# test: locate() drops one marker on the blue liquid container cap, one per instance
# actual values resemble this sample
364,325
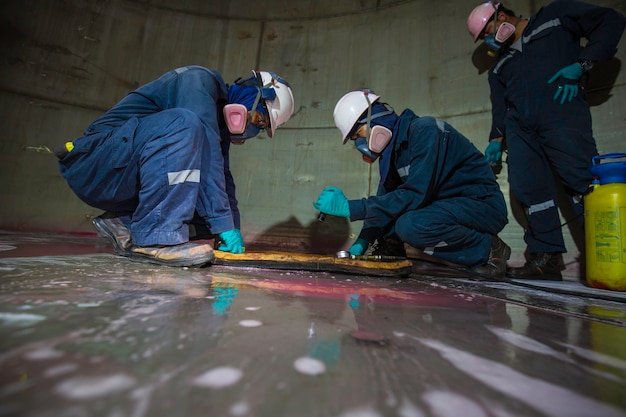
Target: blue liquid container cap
610,172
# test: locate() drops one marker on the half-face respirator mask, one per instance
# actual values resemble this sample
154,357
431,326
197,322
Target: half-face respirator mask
376,138
238,123
373,145
496,41
239,119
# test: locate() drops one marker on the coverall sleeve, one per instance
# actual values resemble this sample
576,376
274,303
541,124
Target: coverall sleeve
230,185
601,26
498,106
371,232
419,187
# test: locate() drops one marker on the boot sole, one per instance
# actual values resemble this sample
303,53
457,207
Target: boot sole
139,257
542,277
547,277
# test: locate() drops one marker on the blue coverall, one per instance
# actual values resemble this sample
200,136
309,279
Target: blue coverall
540,132
438,194
159,156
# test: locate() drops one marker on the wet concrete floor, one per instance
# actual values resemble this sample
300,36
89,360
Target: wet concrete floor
86,333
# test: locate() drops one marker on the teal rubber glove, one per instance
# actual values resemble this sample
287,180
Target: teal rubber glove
569,90
359,247
332,201
232,241
493,153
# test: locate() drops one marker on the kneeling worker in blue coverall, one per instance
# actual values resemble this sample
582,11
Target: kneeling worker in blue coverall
437,192
160,158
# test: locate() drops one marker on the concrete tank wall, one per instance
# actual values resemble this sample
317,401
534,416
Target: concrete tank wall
66,62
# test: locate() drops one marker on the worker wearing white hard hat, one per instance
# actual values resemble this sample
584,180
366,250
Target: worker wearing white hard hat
436,191
158,161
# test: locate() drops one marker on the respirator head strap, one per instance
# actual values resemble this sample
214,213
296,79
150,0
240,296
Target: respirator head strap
369,114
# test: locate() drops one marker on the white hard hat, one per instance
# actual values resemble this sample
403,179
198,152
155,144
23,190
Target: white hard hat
479,17
281,108
349,108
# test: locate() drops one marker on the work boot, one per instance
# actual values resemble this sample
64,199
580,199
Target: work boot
388,247
185,254
495,268
541,265
112,229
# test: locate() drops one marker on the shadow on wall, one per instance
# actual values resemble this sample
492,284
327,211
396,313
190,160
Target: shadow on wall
317,237
601,80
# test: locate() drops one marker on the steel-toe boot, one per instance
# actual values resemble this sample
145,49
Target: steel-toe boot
185,254
111,228
495,267
541,265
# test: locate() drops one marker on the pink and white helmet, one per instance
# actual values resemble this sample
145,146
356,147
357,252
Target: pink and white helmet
479,17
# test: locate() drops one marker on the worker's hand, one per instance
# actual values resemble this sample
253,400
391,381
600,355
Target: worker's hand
571,74
359,247
493,153
232,241
332,201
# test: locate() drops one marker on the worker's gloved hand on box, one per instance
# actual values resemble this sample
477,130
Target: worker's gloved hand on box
333,201
231,241
359,247
569,89
493,153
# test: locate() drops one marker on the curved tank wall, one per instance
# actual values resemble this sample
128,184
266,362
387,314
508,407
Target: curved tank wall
65,63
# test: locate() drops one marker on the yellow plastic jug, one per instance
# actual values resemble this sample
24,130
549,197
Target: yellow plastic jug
605,224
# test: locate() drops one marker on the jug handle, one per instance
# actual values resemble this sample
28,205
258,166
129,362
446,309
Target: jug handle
615,155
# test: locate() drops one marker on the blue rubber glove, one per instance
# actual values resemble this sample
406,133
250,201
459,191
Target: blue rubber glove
359,247
569,90
232,241
332,201
493,153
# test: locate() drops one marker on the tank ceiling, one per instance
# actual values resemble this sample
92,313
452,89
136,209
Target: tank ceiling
274,9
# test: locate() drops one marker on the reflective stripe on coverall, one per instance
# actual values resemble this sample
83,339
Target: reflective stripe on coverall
440,194
540,132
158,156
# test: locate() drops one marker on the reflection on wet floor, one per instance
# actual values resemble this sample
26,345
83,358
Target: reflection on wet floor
97,335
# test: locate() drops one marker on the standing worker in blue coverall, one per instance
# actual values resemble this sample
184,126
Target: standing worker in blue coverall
160,158
437,193
541,113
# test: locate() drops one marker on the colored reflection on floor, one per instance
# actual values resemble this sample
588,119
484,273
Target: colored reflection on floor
92,334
